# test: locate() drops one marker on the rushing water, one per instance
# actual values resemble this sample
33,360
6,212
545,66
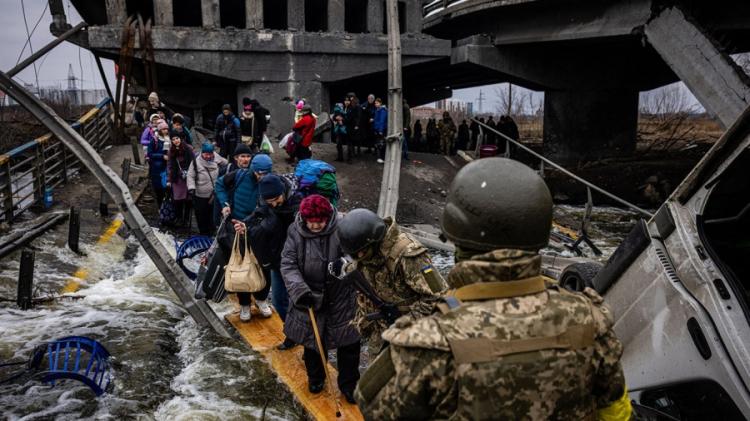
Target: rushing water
164,367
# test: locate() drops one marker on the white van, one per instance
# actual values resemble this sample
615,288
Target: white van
679,289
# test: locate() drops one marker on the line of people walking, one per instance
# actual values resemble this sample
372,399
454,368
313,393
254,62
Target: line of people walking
493,341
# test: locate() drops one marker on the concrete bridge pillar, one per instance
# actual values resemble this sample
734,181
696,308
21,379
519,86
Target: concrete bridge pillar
375,16
210,13
584,125
336,15
254,14
117,13
163,13
295,14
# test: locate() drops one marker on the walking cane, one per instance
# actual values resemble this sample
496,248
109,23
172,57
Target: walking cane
323,359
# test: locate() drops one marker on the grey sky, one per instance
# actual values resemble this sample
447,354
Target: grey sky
53,68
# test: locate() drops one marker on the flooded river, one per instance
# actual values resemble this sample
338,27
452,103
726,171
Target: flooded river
164,367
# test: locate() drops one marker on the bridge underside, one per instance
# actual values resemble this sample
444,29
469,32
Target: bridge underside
592,59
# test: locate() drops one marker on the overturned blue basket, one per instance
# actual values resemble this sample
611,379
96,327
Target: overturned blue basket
76,358
190,248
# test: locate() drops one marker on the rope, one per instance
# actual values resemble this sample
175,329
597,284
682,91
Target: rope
568,173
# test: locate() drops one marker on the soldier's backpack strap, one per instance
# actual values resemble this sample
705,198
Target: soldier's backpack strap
380,371
405,246
478,350
492,290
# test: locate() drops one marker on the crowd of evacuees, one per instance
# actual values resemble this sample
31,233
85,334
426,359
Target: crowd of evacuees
229,182
356,126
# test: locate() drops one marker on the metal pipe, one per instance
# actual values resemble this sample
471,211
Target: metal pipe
103,76
177,280
44,50
568,173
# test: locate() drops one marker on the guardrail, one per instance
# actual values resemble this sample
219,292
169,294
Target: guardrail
26,172
436,6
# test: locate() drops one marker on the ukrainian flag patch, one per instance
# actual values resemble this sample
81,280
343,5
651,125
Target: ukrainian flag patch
427,269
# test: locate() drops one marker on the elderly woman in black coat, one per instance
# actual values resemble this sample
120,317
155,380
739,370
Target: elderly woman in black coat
310,246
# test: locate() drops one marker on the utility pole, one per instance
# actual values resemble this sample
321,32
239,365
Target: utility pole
480,100
510,98
392,168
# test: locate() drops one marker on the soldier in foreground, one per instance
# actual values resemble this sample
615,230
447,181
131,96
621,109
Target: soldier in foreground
505,345
395,267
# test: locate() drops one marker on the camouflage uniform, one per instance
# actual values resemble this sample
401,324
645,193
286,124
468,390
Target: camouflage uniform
447,130
545,353
401,272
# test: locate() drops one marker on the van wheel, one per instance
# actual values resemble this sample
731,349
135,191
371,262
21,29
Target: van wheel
578,276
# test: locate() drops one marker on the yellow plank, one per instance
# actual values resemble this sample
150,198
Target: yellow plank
263,335
565,230
74,284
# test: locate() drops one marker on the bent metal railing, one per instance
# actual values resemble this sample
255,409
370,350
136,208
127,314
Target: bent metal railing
27,171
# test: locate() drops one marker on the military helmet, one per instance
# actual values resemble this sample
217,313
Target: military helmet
358,229
496,203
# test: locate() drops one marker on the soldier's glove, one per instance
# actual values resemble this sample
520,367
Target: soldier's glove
390,312
336,268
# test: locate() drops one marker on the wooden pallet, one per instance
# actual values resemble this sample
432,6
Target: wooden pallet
263,335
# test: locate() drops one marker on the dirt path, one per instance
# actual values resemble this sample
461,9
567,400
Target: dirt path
423,180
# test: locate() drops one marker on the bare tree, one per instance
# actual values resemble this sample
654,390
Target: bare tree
665,114
510,100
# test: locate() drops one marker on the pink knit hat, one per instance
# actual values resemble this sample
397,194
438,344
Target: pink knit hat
161,125
300,104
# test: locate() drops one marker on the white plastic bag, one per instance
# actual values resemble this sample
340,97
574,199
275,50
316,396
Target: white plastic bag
265,145
285,140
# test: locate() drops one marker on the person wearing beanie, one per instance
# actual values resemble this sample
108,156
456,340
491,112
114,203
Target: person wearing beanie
201,177
227,132
310,246
267,229
180,158
150,131
178,123
261,164
304,129
237,193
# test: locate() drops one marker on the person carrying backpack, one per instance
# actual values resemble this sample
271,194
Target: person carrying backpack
238,192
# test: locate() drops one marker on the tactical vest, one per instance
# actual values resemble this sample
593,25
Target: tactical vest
406,246
504,361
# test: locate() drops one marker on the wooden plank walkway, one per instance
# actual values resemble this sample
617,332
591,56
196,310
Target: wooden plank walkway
263,335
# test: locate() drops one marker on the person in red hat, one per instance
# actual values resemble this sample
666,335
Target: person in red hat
310,246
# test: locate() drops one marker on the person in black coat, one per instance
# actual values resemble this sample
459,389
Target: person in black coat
418,142
352,120
227,132
463,136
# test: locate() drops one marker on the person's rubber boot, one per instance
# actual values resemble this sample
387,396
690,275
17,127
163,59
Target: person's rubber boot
265,309
349,396
316,388
286,345
245,313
